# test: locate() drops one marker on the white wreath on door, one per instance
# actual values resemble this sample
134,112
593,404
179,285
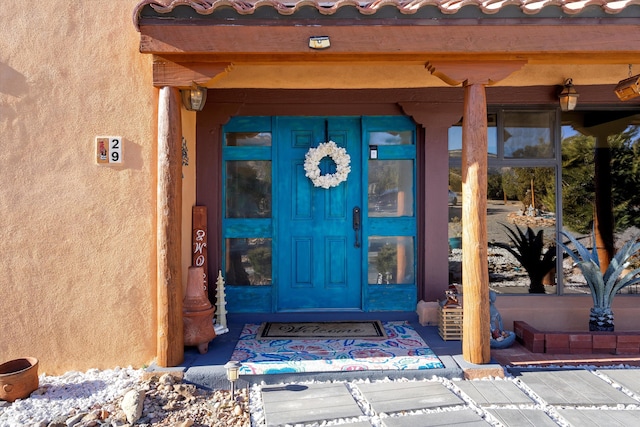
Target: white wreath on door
338,155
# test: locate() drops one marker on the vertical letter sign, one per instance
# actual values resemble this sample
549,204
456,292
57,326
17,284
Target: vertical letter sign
109,149
199,253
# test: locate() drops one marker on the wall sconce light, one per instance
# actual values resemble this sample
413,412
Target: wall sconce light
629,87
194,98
568,97
233,372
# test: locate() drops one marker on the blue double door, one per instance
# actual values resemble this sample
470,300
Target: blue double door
319,234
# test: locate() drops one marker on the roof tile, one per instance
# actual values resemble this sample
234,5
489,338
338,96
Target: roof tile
449,7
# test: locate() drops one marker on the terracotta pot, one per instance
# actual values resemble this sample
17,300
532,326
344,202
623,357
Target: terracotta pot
18,378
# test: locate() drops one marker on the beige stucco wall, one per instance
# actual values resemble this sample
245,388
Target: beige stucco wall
77,252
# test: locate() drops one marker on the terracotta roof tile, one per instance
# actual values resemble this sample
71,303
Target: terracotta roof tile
449,7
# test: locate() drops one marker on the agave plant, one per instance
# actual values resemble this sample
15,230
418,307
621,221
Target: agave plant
528,249
603,286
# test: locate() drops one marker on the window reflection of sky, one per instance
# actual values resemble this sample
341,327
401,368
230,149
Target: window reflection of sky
389,138
455,139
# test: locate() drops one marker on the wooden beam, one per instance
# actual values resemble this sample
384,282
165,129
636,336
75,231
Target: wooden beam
170,334
184,74
559,44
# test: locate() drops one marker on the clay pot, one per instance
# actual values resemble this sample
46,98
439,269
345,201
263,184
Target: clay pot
197,312
18,378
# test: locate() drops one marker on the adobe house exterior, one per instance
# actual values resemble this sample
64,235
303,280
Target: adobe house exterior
95,254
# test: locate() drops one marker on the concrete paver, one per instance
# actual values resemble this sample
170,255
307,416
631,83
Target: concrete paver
465,417
600,418
489,393
522,417
296,404
388,397
572,388
566,397
627,378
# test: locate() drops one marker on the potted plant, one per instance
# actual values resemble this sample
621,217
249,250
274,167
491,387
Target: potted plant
529,250
604,286
455,226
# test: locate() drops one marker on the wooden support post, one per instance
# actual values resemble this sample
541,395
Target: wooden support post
474,76
170,334
475,275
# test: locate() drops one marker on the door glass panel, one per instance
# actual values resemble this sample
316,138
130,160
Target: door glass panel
527,135
391,260
390,188
248,139
391,138
248,261
248,189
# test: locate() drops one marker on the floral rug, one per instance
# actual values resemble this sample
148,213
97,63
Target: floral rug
403,349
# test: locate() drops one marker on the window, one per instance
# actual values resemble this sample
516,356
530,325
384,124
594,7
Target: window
247,195
521,201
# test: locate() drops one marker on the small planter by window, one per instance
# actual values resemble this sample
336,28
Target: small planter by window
18,378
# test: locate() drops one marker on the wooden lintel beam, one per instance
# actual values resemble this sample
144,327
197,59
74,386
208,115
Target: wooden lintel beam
596,44
184,74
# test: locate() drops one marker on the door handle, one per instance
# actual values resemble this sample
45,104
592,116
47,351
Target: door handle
356,225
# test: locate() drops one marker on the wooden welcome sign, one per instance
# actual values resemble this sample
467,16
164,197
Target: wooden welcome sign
199,242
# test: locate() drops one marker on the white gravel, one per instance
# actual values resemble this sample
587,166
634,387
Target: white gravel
58,396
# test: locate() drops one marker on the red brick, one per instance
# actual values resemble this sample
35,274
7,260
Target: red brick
537,347
604,341
628,350
630,338
580,341
556,340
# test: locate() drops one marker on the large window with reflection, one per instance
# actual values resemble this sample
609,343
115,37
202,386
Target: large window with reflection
521,201
542,178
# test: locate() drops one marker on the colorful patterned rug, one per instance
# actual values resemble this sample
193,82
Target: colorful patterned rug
403,349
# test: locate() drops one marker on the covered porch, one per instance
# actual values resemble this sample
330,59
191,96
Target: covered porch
418,53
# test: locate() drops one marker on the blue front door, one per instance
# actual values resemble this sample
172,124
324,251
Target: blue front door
318,249
291,246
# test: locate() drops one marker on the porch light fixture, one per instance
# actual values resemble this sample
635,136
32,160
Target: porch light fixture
628,88
194,98
568,97
233,372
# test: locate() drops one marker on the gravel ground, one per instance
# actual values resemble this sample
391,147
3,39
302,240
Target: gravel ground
95,398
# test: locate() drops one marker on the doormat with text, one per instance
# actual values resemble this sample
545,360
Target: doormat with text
403,348
365,330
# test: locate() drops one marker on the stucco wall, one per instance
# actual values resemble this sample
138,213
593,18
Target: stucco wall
77,252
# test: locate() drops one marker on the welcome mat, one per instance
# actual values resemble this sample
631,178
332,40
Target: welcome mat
403,348
368,330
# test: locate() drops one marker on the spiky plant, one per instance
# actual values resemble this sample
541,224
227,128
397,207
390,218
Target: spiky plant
528,249
603,286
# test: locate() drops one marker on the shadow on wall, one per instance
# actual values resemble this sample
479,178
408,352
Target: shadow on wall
12,82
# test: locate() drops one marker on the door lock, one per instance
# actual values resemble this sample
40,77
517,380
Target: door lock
357,225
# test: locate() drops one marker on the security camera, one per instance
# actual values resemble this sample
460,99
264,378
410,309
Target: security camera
628,88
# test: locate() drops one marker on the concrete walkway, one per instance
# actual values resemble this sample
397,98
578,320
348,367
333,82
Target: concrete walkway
434,397
534,397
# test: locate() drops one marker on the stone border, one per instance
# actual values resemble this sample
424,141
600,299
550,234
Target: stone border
576,342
